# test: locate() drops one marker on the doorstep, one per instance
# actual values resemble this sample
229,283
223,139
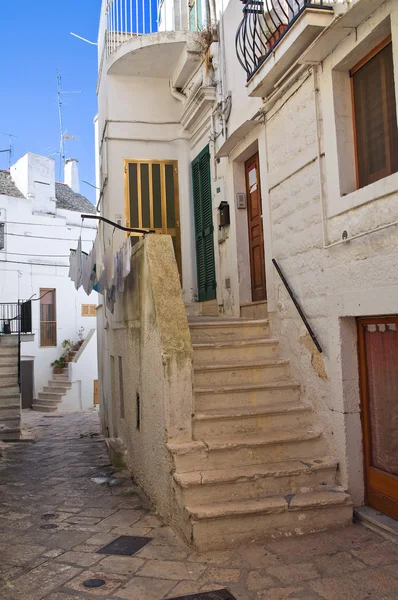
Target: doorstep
378,522
254,310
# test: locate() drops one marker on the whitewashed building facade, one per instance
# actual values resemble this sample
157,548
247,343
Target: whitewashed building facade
40,223
252,132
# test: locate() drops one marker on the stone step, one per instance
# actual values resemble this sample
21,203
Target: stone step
240,373
254,310
50,396
261,394
62,377
44,407
64,383
250,349
47,402
8,350
225,525
10,410
10,433
11,367
10,421
8,400
9,377
221,423
8,359
247,450
55,389
209,330
255,482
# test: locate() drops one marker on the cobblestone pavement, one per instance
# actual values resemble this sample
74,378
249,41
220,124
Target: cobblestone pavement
60,503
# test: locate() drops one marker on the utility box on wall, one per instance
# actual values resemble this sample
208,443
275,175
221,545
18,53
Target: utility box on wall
224,213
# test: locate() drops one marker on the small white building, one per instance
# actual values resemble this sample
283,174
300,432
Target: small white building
40,222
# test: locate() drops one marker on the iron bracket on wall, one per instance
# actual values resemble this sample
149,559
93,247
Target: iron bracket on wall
117,226
297,305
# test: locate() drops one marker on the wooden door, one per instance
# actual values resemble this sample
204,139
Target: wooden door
204,229
378,357
96,395
255,224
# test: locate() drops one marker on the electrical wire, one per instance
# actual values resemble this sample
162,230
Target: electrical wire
42,237
37,224
17,262
38,255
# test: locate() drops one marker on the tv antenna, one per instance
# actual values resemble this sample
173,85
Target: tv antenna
9,149
63,135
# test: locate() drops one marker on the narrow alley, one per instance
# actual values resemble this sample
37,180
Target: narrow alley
62,505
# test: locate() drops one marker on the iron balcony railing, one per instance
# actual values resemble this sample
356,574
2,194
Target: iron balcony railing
15,319
264,24
124,19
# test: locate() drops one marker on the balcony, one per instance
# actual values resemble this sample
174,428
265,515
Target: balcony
265,26
150,38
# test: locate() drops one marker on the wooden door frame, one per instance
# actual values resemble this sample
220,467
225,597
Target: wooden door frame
372,475
255,159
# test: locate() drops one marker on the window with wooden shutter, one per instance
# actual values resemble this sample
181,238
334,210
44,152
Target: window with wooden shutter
201,180
88,310
48,318
375,116
152,201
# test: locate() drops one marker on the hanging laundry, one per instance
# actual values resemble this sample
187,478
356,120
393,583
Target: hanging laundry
73,266
126,257
111,298
120,279
79,266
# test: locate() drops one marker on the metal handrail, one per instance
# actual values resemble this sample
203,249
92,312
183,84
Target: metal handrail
264,24
15,319
297,305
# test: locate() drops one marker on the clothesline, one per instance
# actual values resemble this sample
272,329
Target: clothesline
102,272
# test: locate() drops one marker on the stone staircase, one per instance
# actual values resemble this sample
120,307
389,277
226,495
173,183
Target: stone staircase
50,398
10,398
256,466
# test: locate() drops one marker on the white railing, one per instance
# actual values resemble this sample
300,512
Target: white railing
125,19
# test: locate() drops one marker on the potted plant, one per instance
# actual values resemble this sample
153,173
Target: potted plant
58,365
275,37
80,335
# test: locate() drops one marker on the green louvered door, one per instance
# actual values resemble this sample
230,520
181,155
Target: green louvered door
204,226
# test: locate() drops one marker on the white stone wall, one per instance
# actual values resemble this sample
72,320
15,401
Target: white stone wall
36,255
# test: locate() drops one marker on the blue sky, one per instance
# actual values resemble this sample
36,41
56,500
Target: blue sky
35,42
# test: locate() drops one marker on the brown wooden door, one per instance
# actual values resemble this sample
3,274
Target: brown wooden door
255,223
378,357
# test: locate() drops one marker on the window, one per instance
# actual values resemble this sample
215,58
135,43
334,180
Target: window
195,15
2,241
375,116
121,388
89,310
48,319
152,199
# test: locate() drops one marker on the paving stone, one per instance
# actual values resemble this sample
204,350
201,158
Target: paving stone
76,519
35,584
101,539
122,565
19,554
81,559
124,517
145,589
281,593
257,580
336,588
337,564
217,557
376,580
8,572
378,554
221,575
53,553
100,513
294,573
112,583
163,553
168,569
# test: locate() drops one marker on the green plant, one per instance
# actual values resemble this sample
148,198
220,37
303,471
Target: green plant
59,363
67,345
80,334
